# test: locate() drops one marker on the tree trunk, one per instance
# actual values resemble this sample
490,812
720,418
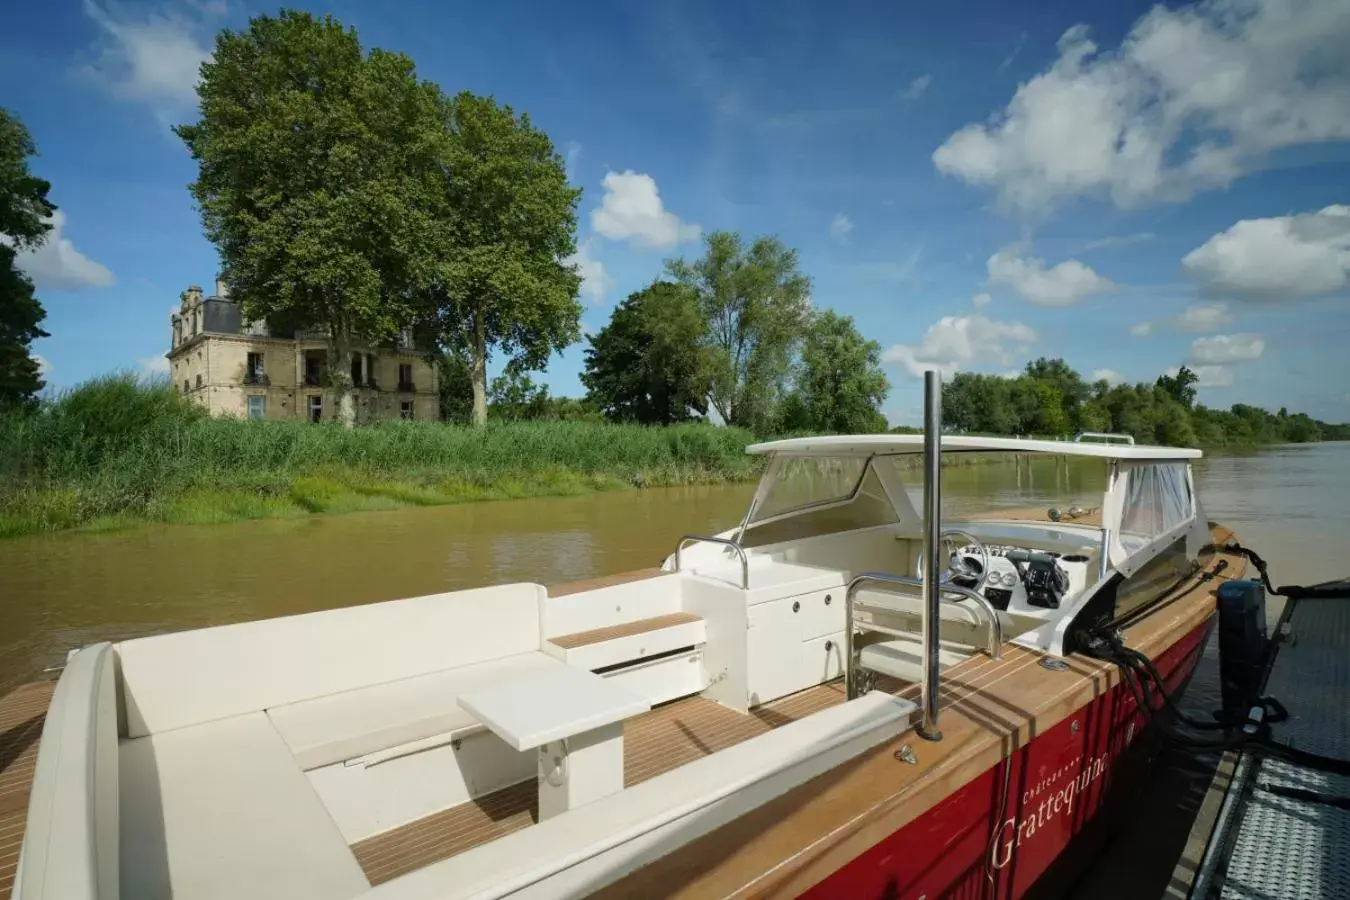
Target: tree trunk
479,360
340,373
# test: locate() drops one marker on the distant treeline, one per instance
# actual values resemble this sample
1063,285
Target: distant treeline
1051,399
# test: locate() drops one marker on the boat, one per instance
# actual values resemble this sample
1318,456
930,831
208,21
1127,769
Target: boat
845,696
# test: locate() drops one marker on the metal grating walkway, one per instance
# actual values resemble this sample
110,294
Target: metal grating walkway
1293,830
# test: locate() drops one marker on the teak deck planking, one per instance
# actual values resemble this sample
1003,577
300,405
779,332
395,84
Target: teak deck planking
22,713
628,629
989,709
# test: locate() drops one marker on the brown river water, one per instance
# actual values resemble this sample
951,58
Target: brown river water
1292,504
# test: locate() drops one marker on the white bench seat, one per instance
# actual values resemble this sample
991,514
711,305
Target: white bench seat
353,723
220,811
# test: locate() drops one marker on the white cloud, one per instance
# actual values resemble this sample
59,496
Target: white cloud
840,228
631,210
960,342
1141,329
1061,285
44,366
1110,376
1204,317
153,366
58,266
1284,257
1208,376
1222,349
152,58
981,300
595,281
1193,98
916,88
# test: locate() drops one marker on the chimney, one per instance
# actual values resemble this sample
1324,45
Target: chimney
222,292
194,293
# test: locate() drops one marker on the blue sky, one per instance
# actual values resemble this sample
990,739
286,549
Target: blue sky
977,184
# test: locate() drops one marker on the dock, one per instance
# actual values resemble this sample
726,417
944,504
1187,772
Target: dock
1269,829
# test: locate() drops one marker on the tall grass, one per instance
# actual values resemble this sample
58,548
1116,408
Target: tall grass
119,449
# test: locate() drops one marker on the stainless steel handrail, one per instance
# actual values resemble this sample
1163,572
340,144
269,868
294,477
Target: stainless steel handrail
994,644
929,687
1100,435
745,561
930,617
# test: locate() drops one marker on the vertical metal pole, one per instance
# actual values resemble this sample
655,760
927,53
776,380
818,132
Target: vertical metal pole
932,525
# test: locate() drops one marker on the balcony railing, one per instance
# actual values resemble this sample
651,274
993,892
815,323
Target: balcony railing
372,384
257,378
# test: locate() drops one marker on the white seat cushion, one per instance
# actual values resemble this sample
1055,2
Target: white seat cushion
353,723
221,810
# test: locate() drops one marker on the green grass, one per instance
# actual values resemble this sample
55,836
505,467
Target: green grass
116,451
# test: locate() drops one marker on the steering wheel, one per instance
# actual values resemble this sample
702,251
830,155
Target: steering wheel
953,541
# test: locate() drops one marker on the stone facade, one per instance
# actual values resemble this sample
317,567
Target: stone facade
236,368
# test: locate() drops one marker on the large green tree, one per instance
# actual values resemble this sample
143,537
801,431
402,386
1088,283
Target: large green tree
24,210
316,161
1180,387
649,364
506,223
839,385
756,303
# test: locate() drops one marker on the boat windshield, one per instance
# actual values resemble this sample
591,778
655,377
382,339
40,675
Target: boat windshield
809,496
1157,501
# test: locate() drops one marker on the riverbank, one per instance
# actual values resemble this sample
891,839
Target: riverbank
115,452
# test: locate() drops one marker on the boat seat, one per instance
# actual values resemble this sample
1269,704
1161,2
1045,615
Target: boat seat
902,658
353,723
599,648
221,810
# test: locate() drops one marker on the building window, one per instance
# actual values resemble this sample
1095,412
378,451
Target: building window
356,370
257,406
370,370
255,372
186,386
314,364
405,382
405,409
316,407
199,379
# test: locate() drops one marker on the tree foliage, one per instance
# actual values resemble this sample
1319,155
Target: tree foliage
315,160
839,384
756,303
650,363
506,220
24,210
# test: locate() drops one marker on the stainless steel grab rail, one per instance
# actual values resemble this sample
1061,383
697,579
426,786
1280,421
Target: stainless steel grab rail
1105,436
745,561
995,643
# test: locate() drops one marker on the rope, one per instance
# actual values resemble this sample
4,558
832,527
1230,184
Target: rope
1340,591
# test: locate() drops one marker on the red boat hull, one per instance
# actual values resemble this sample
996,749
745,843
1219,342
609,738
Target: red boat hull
1001,832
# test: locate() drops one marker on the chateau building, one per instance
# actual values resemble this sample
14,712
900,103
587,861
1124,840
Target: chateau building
238,368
